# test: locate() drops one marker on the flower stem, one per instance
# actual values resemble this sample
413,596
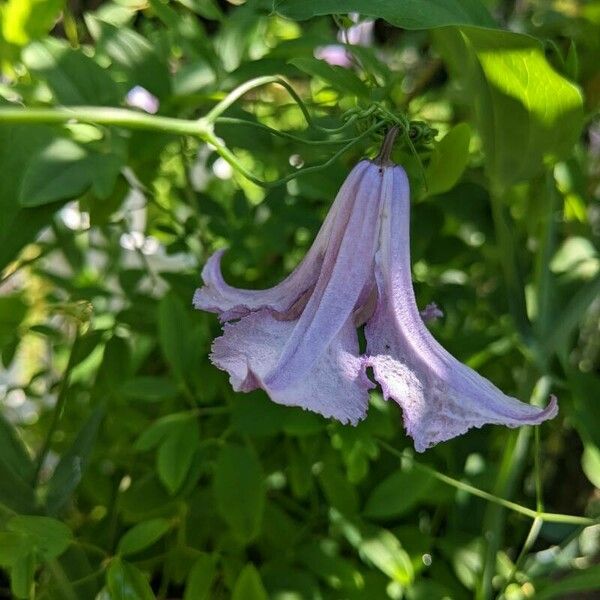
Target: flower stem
383,158
474,491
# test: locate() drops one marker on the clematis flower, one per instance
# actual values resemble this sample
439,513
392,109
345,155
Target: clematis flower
298,340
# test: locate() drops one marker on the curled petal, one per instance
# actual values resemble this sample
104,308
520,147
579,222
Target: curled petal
232,303
440,397
345,274
335,386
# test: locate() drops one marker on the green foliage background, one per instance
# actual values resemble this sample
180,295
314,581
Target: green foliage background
128,468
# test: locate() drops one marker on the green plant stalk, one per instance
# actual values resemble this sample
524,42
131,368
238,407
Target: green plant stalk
510,266
479,493
544,277
515,455
232,159
245,87
282,134
57,412
200,128
100,115
532,535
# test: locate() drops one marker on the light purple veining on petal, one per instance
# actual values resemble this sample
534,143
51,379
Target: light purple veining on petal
314,361
431,312
232,303
440,397
335,386
347,268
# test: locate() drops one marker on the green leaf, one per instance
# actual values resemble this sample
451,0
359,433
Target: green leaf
339,78
200,578
25,20
208,9
518,100
398,494
587,580
18,226
173,330
61,171
176,453
149,389
134,54
126,582
572,314
55,174
249,585
384,551
15,492
49,537
240,491
73,464
13,547
73,77
160,429
590,463
407,14
21,576
142,536
13,453
339,492
449,160
12,312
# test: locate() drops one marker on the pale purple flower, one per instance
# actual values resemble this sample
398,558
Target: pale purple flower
431,312
360,34
298,340
140,97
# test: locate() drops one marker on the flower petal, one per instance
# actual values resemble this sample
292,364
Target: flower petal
232,303
345,274
440,397
335,386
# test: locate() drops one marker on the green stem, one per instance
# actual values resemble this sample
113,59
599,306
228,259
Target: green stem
100,115
283,134
58,410
239,91
539,500
511,467
232,159
474,491
532,535
201,128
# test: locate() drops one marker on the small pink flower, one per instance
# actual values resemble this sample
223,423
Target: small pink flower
360,34
298,340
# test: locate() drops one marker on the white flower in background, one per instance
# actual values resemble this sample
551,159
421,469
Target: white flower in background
140,97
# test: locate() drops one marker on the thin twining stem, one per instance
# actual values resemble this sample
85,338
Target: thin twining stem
200,128
532,536
242,89
278,133
470,489
232,159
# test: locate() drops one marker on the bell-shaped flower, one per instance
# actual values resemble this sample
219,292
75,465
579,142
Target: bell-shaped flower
298,340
